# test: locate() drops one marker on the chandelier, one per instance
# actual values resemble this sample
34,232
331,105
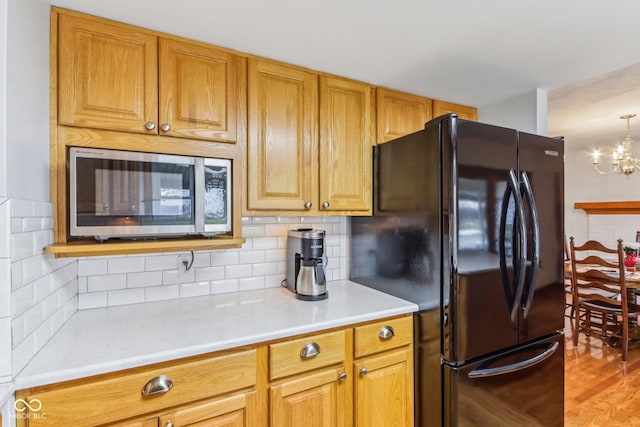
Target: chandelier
621,160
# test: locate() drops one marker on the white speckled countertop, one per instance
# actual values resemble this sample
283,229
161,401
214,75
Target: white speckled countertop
109,339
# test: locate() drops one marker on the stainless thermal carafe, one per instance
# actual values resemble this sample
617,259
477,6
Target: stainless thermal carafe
306,262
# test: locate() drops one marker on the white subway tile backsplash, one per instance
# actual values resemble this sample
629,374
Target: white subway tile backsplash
32,268
41,288
43,209
161,262
160,293
92,266
21,246
144,279
107,282
265,269
5,288
92,300
224,258
174,277
265,243
22,208
249,283
253,231
21,300
251,257
237,271
209,273
32,318
224,286
23,353
30,224
195,289
41,239
5,346
125,265
275,255
261,262
126,296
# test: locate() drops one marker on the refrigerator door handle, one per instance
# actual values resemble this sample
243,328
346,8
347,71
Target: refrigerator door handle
535,235
513,299
514,367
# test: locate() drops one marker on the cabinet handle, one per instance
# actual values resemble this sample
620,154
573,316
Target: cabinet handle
342,377
386,333
150,125
363,371
325,205
310,350
308,205
157,385
165,127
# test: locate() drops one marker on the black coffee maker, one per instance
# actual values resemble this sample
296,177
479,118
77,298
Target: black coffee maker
306,263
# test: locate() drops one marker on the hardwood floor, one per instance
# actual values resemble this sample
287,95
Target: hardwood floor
600,390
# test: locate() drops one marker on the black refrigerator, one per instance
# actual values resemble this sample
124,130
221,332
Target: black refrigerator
468,224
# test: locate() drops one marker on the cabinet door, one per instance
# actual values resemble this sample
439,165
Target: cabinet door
312,400
282,154
384,390
400,113
463,111
198,91
346,135
150,422
107,75
234,411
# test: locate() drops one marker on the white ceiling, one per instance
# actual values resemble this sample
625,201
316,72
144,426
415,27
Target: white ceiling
467,51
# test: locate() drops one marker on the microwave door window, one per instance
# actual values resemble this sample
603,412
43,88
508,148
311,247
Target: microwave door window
131,193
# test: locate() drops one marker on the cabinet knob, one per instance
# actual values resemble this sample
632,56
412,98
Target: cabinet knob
169,424
310,350
308,205
386,333
342,377
150,125
106,206
325,205
165,127
157,385
363,371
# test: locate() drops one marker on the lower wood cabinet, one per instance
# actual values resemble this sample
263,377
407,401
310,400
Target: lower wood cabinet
313,399
359,375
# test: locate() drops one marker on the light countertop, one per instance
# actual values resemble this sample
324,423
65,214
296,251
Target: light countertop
109,339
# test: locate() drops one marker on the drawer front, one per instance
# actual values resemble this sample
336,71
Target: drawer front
119,397
383,335
291,357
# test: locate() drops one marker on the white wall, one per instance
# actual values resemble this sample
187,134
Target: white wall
526,112
27,92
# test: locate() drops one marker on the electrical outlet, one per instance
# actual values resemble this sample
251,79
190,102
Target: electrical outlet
183,262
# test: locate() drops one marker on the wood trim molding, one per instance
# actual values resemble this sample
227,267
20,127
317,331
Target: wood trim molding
608,208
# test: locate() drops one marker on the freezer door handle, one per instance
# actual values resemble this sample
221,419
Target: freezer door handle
514,367
535,237
518,237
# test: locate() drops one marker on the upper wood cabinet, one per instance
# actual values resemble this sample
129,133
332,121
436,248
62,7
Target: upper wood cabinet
400,113
347,126
309,142
107,76
282,139
118,77
463,111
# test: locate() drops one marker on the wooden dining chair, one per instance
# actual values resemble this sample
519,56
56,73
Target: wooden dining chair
599,290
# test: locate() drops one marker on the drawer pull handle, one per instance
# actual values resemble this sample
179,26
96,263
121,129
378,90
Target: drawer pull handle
157,385
386,333
310,350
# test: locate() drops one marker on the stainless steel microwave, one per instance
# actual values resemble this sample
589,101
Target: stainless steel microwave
128,194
